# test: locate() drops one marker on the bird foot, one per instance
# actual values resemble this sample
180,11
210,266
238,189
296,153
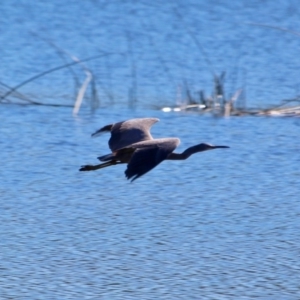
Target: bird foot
87,168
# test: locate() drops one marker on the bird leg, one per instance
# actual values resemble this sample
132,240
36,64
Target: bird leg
100,166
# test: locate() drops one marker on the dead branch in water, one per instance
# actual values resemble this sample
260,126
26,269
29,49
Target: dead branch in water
132,93
196,41
14,89
276,28
219,106
61,53
18,95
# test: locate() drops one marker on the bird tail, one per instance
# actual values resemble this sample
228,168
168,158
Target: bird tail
106,157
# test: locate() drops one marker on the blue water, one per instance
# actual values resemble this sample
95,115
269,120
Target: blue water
223,224
154,49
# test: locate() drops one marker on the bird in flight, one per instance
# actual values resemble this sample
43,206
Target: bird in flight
131,143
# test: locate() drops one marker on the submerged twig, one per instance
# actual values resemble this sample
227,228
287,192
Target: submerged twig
133,89
276,28
190,99
49,71
18,94
89,74
61,53
197,43
229,105
95,102
81,92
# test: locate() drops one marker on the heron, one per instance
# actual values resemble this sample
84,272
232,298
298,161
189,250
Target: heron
131,143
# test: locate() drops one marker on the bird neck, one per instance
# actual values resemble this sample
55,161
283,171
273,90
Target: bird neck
177,156
181,156
187,153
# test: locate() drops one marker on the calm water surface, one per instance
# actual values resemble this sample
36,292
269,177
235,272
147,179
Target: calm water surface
221,225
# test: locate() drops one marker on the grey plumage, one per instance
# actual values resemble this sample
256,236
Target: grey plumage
128,132
132,143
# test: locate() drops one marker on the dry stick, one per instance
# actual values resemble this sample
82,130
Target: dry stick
190,99
284,102
90,74
219,84
133,89
198,44
19,95
159,57
228,107
280,29
243,98
79,98
60,53
82,90
275,27
218,80
95,103
50,71
108,93
235,77
108,78
84,86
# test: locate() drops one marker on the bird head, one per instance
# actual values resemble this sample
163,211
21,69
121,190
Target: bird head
204,147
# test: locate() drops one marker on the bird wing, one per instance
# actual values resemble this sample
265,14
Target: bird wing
148,155
128,132
104,129
124,134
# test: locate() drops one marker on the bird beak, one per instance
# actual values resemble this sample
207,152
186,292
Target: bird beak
215,147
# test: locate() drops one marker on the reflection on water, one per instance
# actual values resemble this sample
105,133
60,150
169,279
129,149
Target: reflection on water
220,225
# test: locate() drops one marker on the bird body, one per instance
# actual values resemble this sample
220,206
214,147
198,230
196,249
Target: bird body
132,143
